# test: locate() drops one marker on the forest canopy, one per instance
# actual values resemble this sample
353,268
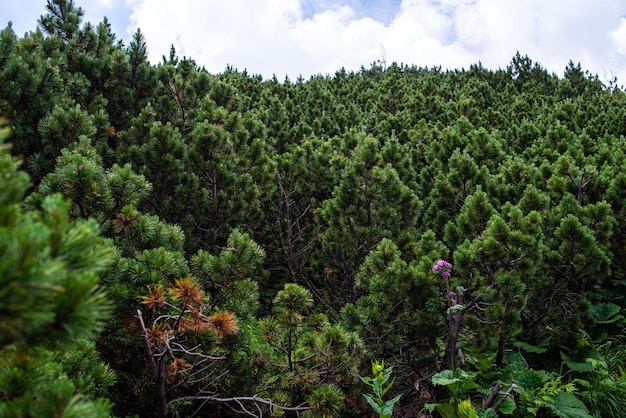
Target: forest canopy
394,240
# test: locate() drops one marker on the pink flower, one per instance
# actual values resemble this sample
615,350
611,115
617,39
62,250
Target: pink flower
443,264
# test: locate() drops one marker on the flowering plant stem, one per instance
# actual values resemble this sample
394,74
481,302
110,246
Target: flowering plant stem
379,385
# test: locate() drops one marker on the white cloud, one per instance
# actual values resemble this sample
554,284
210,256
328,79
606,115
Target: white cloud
105,3
275,36
619,37
423,34
339,41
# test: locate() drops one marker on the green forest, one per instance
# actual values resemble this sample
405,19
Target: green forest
395,241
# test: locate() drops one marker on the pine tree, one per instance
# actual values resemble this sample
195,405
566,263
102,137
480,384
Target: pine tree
370,203
229,154
306,352
398,314
52,306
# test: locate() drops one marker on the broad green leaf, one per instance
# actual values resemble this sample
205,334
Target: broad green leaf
585,360
489,413
507,407
600,335
578,366
531,379
605,313
566,405
530,348
447,377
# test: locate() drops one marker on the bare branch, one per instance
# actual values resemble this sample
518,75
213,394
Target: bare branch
157,369
239,400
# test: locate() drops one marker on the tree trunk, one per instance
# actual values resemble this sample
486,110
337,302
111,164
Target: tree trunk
452,347
157,372
501,336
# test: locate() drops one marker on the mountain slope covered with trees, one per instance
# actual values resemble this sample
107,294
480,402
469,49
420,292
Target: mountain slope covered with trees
180,243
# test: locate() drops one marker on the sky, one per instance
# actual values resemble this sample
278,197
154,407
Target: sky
291,38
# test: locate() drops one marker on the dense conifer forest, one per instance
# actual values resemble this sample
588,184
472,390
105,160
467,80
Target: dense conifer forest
179,243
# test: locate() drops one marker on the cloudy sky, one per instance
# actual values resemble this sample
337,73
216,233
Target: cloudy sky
306,37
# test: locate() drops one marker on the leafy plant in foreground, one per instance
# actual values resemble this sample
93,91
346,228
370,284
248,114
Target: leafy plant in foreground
379,385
